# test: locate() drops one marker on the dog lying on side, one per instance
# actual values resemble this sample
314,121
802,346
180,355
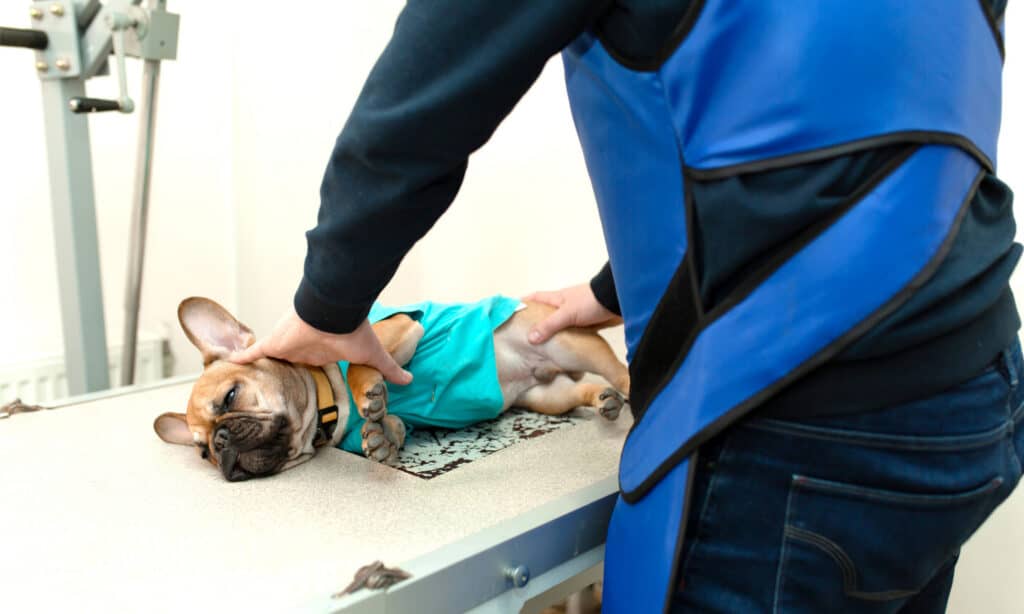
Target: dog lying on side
470,362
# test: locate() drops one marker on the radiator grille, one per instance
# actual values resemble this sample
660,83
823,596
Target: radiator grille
44,380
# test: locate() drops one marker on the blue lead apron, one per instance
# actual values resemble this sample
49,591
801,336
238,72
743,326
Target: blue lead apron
751,85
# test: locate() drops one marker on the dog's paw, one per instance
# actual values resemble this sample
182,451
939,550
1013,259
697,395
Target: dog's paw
375,405
381,440
611,403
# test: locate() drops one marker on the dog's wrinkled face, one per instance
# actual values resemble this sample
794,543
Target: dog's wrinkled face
245,419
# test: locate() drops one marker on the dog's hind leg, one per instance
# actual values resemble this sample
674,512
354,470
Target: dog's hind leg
572,350
399,335
563,394
581,350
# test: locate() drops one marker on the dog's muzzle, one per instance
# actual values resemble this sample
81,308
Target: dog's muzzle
250,445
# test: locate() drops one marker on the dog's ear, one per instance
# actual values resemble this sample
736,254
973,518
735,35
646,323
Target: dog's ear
212,329
172,428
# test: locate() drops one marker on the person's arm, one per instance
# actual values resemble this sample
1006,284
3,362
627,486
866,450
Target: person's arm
603,287
452,71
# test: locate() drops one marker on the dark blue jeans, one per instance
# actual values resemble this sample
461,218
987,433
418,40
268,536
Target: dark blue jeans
860,513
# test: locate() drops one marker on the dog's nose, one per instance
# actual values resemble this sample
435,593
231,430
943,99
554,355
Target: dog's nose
227,456
221,438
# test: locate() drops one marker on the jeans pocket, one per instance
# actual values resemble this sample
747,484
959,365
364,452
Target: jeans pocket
850,548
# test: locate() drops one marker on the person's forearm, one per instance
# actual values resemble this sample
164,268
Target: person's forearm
452,71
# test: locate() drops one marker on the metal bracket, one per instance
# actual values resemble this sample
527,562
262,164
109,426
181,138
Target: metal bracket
155,37
61,58
96,41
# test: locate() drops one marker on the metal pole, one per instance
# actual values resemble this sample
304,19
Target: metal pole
140,212
74,222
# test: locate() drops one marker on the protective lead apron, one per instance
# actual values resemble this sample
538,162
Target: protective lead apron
755,85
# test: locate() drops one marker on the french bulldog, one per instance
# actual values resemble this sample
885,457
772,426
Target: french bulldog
262,418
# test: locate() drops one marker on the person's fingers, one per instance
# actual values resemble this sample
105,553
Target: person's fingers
550,325
555,299
249,354
379,358
383,362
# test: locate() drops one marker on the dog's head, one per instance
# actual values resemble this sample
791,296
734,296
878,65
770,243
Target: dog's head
248,420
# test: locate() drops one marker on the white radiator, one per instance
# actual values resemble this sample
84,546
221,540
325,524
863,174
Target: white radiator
44,380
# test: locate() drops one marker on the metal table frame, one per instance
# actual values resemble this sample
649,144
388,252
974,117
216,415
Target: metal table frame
562,543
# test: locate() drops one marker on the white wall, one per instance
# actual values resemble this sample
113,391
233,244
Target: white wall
524,220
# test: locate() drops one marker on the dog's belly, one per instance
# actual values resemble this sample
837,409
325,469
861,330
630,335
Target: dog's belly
521,366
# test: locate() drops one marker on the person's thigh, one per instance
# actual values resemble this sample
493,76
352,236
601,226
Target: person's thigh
853,513
934,596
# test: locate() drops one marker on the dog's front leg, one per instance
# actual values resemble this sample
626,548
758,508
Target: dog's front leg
399,335
382,440
368,391
383,435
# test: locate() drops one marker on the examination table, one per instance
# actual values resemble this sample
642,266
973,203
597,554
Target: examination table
98,515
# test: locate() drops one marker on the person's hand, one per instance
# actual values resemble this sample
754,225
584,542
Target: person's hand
576,306
295,341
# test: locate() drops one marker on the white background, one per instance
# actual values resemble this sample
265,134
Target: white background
248,115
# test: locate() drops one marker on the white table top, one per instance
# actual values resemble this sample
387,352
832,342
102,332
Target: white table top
98,514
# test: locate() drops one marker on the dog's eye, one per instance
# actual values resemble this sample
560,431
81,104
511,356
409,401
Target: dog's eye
229,398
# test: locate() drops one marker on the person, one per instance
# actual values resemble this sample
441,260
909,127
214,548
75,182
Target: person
809,248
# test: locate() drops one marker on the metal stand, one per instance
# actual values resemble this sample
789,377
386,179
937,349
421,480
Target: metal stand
140,213
74,227
73,40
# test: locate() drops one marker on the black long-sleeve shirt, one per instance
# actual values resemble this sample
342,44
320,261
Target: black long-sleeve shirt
454,69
